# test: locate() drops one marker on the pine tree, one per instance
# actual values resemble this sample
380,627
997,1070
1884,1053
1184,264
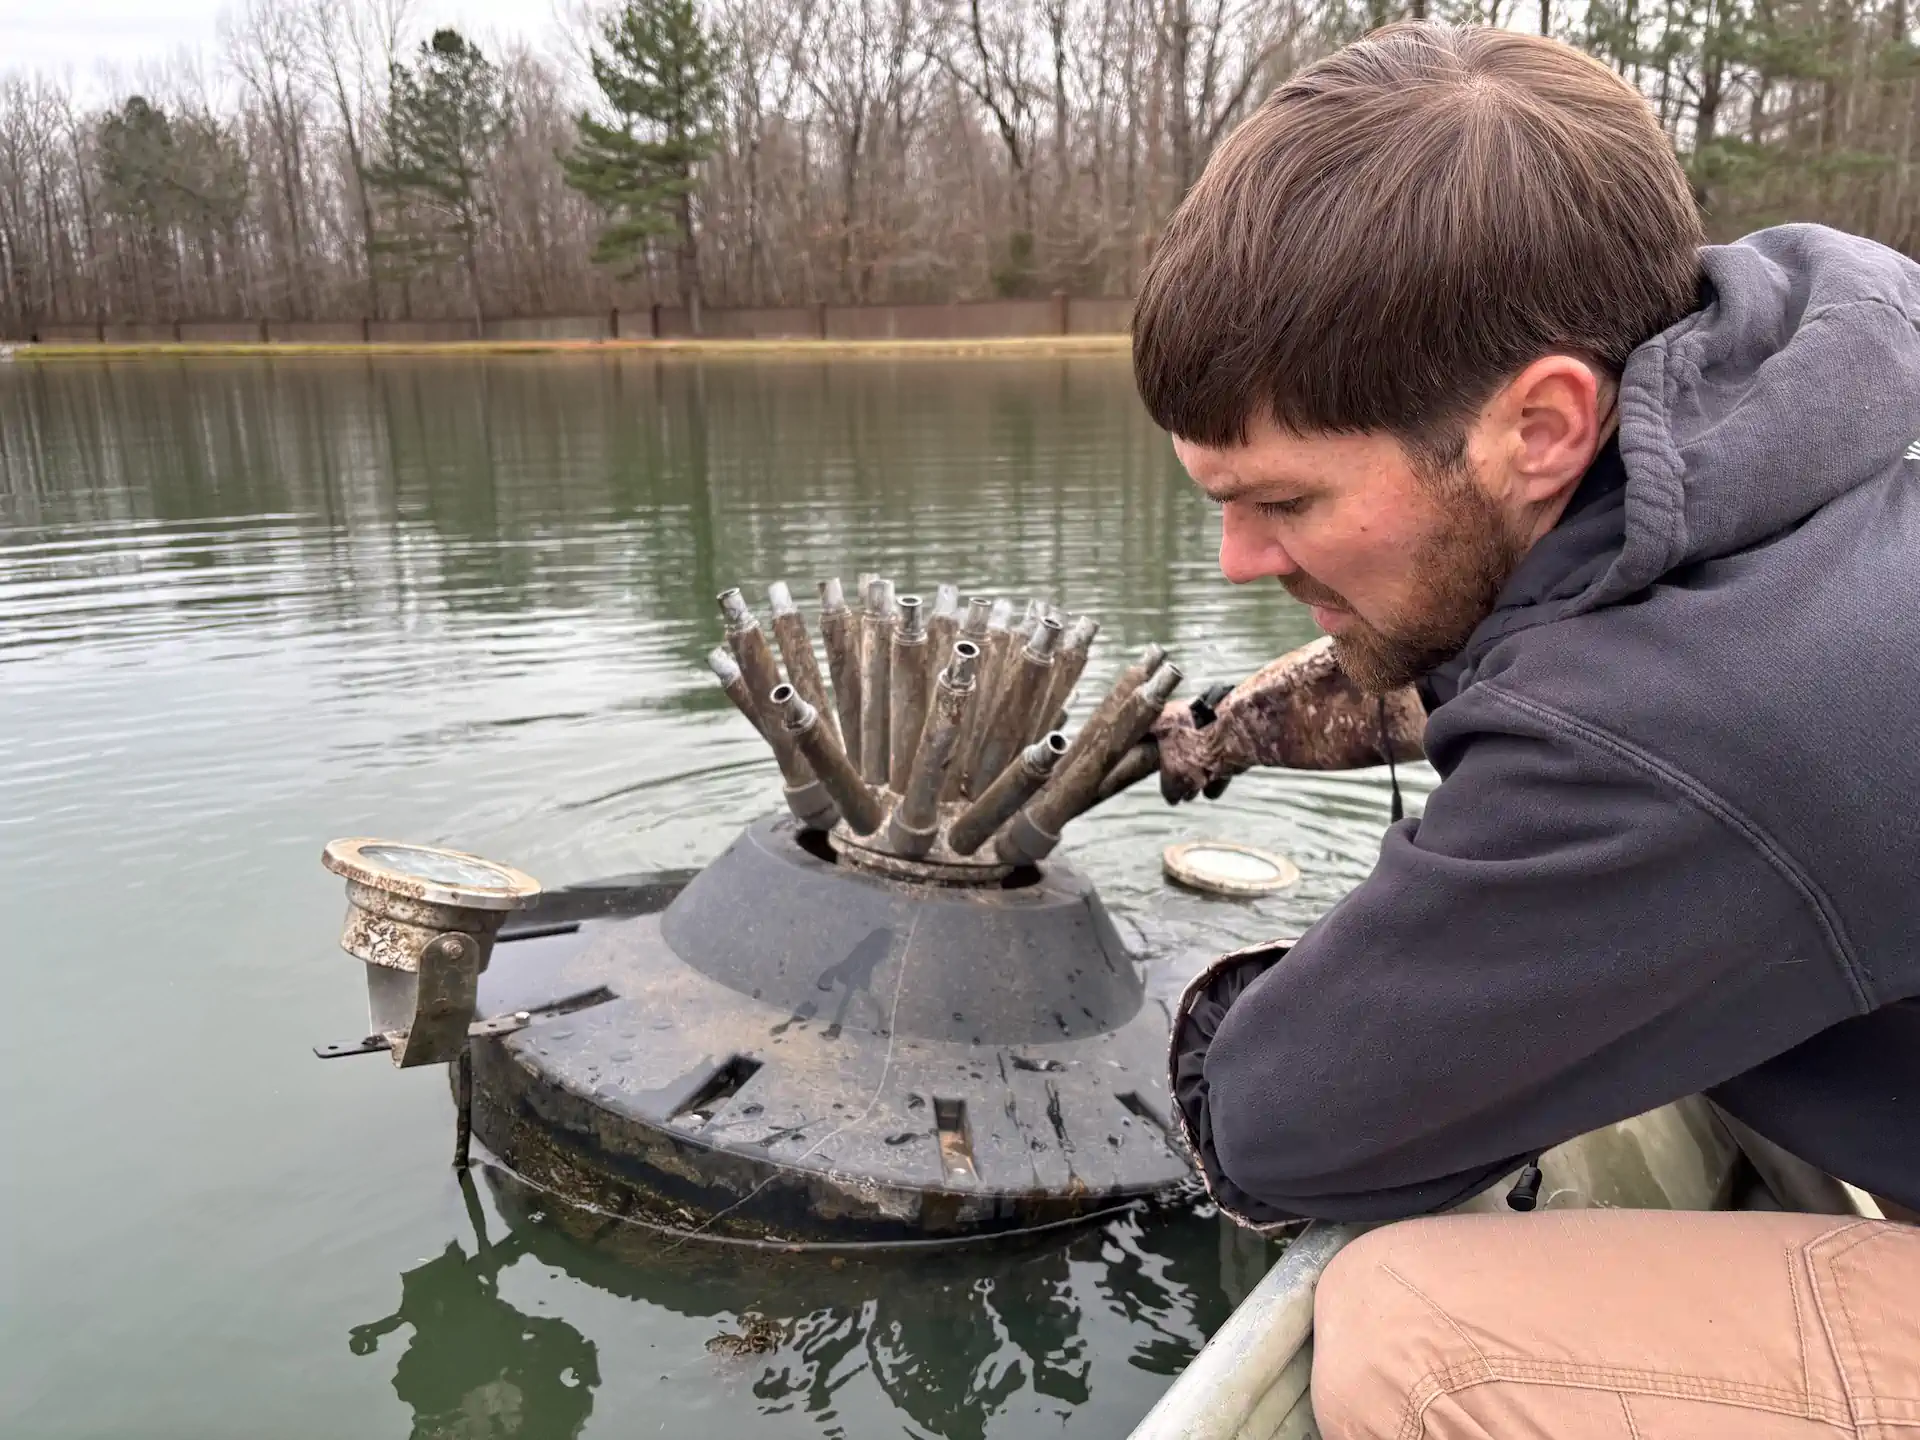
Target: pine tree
136,157
176,178
660,76
448,113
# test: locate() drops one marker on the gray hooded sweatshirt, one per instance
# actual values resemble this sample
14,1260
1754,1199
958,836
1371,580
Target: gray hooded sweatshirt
1676,846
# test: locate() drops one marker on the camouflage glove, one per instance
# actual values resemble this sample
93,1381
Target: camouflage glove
1299,712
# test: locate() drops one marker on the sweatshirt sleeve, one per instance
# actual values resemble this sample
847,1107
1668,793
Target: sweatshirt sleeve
1572,933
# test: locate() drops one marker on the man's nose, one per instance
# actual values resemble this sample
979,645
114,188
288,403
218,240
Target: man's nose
1248,548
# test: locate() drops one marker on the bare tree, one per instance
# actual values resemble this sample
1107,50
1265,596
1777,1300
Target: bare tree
265,46
991,55
351,51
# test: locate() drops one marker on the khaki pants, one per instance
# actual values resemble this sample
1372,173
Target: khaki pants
1629,1324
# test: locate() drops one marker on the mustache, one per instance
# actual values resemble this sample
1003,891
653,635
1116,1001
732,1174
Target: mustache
1309,591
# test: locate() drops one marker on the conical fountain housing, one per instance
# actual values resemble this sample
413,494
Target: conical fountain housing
799,1050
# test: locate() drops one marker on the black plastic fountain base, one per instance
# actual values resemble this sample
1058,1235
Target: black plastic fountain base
793,1050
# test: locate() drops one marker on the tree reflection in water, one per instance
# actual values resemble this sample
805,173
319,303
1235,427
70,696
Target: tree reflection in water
476,1368
951,1338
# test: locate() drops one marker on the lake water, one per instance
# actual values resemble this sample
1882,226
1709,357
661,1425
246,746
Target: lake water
249,606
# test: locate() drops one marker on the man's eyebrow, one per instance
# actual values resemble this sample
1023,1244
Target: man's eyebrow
1238,488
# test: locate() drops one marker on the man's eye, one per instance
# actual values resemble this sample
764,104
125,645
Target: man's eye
1264,507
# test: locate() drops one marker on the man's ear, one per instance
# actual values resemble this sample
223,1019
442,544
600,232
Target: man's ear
1551,420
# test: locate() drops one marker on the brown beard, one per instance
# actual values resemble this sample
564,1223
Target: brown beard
1459,571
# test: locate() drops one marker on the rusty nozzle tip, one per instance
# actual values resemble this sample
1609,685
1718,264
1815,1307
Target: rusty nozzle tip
1040,757
946,598
879,596
1164,682
734,606
960,665
793,709
1045,637
978,609
780,598
832,595
725,668
913,623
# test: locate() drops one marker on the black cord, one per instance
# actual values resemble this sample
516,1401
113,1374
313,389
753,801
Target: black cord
1525,1194
1399,808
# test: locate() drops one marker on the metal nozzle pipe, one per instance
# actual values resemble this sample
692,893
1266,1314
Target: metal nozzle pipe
973,628
840,633
1130,769
860,589
796,650
911,683
974,625
999,639
811,805
748,642
876,681
1017,637
726,670
1130,680
1069,663
943,627
1018,634
992,666
806,797
916,819
1037,610
1006,795
802,723
1016,711
1032,833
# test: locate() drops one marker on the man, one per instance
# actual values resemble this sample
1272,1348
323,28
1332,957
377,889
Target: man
1437,331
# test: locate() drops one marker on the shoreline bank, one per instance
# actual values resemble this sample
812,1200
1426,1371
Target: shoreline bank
986,347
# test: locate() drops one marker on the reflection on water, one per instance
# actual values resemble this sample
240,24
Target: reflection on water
475,1367
948,1337
245,607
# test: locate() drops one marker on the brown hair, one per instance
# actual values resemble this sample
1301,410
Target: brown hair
1401,228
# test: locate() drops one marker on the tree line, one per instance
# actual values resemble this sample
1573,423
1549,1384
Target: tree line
334,161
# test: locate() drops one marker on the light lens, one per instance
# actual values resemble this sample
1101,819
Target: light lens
1233,865
436,866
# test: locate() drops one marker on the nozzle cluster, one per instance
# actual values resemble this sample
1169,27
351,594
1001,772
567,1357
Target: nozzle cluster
942,743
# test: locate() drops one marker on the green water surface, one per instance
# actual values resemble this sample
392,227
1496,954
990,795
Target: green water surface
249,606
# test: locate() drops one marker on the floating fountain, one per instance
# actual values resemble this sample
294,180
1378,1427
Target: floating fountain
891,1014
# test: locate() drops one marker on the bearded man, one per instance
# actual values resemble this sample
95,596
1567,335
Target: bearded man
1634,518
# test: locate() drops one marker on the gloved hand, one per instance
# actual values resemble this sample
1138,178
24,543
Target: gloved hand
1300,711
1187,763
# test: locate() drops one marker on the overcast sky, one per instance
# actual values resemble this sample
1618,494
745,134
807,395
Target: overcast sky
80,37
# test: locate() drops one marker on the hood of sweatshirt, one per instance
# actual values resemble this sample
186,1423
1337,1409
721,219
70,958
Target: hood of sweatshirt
1798,380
